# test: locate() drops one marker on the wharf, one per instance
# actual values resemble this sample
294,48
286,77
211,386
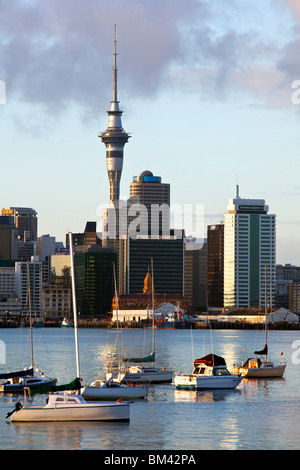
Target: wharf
221,325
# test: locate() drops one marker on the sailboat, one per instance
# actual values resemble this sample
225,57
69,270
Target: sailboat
111,389
16,382
255,367
140,373
67,406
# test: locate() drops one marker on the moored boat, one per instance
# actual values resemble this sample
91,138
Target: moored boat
210,372
257,368
70,407
143,375
111,390
18,384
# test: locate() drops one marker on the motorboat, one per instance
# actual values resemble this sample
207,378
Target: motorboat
210,372
66,323
142,374
70,407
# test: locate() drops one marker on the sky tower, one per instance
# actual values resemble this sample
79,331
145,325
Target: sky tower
114,137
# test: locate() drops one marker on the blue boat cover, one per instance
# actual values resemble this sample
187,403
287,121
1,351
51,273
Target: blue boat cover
20,373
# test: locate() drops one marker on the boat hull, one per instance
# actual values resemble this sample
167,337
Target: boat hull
111,393
87,412
262,372
193,382
19,387
144,377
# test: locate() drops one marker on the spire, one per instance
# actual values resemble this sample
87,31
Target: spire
237,188
115,65
114,137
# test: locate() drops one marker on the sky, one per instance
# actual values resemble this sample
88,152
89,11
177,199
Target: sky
210,93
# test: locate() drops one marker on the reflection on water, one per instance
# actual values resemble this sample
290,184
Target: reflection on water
204,395
259,414
72,436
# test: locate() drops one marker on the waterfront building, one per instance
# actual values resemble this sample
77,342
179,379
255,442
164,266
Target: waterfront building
285,275
56,301
195,278
94,280
168,263
249,245
215,266
294,297
155,197
137,307
7,279
8,239
287,272
88,237
60,265
114,137
22,286
25,220
45,246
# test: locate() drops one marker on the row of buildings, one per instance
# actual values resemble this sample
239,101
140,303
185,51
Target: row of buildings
226,271
233,265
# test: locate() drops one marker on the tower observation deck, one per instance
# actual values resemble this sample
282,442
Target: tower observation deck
114,137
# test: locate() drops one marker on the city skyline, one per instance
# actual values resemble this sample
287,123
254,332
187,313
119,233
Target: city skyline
206,92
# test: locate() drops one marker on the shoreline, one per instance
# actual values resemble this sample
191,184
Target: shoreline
193,325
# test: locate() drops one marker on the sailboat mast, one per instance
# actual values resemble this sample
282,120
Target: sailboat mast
266,339
30,319
117,313
153,322
74,304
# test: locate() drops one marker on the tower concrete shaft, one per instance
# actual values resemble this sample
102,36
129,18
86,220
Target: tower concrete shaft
114,137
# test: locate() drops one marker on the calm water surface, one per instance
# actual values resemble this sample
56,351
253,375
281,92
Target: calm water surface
259,414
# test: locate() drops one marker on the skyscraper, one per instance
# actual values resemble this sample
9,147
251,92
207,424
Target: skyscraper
215,259
25,220
249,245
114,137
155,196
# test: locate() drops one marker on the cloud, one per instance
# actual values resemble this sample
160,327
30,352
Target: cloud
55,54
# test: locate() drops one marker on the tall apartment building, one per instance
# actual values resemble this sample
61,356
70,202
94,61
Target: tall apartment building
249,245
215,262
22,286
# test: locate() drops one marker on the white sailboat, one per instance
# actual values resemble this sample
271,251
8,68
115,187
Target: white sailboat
140,373
68,406
111,389
258,368
210,373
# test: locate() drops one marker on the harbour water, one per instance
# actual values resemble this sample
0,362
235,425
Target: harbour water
259,414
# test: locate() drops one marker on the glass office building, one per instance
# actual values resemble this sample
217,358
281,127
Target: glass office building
249,250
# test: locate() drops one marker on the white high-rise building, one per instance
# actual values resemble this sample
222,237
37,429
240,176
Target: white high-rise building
249,250
22,285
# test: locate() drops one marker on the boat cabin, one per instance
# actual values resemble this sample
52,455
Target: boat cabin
62,399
